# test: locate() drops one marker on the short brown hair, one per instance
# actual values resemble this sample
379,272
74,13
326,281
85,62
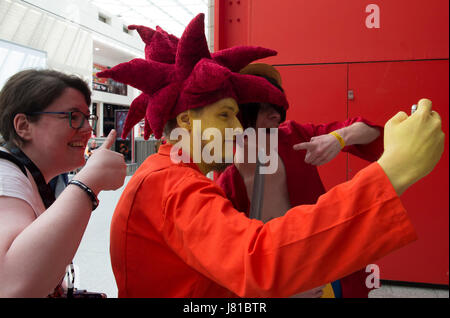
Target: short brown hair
33,91
248,113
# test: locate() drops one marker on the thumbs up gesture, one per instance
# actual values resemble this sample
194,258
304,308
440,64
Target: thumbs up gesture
105,169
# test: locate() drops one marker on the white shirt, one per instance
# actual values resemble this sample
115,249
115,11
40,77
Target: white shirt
13,183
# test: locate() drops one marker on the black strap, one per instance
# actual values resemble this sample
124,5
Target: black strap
47,195
256,204
45,191
9,157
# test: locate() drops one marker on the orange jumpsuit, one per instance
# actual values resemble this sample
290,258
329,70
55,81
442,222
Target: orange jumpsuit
175,234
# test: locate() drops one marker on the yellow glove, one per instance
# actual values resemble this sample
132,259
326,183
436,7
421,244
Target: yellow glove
412,146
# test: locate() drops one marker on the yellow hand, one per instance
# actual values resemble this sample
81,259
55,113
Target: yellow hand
412,146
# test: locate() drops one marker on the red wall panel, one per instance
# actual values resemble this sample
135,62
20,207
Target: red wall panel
381,90
318,94
231,23
325,49
329,31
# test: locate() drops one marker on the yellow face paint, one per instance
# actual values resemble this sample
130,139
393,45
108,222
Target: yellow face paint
218,116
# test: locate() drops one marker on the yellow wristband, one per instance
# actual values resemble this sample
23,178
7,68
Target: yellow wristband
339,138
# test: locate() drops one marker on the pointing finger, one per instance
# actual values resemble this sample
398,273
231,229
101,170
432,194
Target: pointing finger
303,145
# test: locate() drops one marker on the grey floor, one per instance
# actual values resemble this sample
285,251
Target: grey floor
93,266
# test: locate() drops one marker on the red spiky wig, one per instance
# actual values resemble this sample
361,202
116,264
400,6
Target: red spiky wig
178,75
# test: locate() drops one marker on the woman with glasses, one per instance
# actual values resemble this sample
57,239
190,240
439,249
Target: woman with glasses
45,124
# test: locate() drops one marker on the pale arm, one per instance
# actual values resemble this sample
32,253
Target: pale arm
324,148
358,134
35,252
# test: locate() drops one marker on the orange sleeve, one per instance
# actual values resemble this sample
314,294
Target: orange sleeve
352,225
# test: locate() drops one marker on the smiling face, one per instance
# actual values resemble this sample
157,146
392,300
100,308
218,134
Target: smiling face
51,138
219,115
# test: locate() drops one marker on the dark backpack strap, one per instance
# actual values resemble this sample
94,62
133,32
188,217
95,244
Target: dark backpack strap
46,192
9,157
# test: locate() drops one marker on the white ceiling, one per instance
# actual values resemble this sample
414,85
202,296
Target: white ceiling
172,15
112,54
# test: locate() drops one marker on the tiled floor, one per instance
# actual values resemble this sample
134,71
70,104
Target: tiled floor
94,271
394,291
92,262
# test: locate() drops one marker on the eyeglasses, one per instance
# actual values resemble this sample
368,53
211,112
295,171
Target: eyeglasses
76,118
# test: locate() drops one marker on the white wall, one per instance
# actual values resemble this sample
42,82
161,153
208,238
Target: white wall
82,13
68,46
14,58
67,30
109,98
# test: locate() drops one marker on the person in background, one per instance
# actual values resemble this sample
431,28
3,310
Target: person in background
301,148
45,125
175,234
92,145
